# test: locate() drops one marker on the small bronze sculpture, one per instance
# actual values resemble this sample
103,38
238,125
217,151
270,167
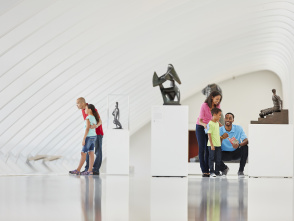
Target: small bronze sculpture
275,114
210,88
278,105
168,94
116,113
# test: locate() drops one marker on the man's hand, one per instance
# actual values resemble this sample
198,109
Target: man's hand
212,148
93,126
84,142
236,145
225,135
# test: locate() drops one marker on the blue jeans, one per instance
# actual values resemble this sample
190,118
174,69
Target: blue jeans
89,144
215,156
202,139
98,153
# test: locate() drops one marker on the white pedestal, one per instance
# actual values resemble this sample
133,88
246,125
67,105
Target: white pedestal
270,150
169,199
117,151
169,141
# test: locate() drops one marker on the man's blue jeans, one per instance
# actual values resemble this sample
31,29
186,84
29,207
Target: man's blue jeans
98,153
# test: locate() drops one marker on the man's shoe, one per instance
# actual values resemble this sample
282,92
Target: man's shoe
218,175
205,175
241,174
96,173
212,175
225,171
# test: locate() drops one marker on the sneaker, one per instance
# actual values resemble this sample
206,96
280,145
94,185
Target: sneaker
241,174
212,175
225,171
218,175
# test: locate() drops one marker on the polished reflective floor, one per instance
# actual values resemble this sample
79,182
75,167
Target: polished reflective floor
64,197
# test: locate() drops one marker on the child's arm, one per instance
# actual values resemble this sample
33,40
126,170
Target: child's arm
86,132
210,141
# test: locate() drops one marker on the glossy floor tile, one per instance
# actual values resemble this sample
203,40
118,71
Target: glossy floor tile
140,198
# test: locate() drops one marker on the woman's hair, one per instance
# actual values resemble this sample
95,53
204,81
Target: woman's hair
212,95
95,113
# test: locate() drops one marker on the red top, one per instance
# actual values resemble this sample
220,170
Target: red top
99,130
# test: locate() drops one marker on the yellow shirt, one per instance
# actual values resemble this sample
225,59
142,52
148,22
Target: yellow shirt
214,132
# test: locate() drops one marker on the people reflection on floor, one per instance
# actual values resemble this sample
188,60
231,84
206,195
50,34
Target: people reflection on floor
91,198
217,202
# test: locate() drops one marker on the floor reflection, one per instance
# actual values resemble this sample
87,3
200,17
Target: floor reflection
220,199
91,197
133,198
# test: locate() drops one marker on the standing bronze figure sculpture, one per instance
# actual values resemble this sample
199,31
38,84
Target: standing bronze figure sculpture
116,115
170,95
278,105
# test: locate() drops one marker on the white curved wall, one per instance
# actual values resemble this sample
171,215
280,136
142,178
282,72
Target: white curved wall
52,52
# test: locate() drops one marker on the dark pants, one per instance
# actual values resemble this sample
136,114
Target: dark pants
241,152
215,156
202,139
98,153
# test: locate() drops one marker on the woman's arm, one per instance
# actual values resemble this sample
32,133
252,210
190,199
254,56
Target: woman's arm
86,132
202,123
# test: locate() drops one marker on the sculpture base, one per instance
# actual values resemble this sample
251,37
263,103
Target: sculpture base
275,118
117,151
173,103
169,141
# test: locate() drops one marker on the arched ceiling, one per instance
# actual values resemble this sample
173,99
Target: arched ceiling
53,51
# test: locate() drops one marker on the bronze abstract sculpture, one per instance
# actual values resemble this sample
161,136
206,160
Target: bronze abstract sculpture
116,115
170,95
210,88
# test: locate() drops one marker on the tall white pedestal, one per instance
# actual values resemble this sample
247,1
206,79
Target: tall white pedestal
169,141
270,150
117,151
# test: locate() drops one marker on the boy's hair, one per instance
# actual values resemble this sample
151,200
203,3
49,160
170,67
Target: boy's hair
215,111
230,114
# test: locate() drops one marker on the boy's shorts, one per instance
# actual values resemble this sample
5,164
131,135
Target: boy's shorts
89,144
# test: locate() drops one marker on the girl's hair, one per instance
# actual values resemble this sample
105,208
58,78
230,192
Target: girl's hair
212,95
95,113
